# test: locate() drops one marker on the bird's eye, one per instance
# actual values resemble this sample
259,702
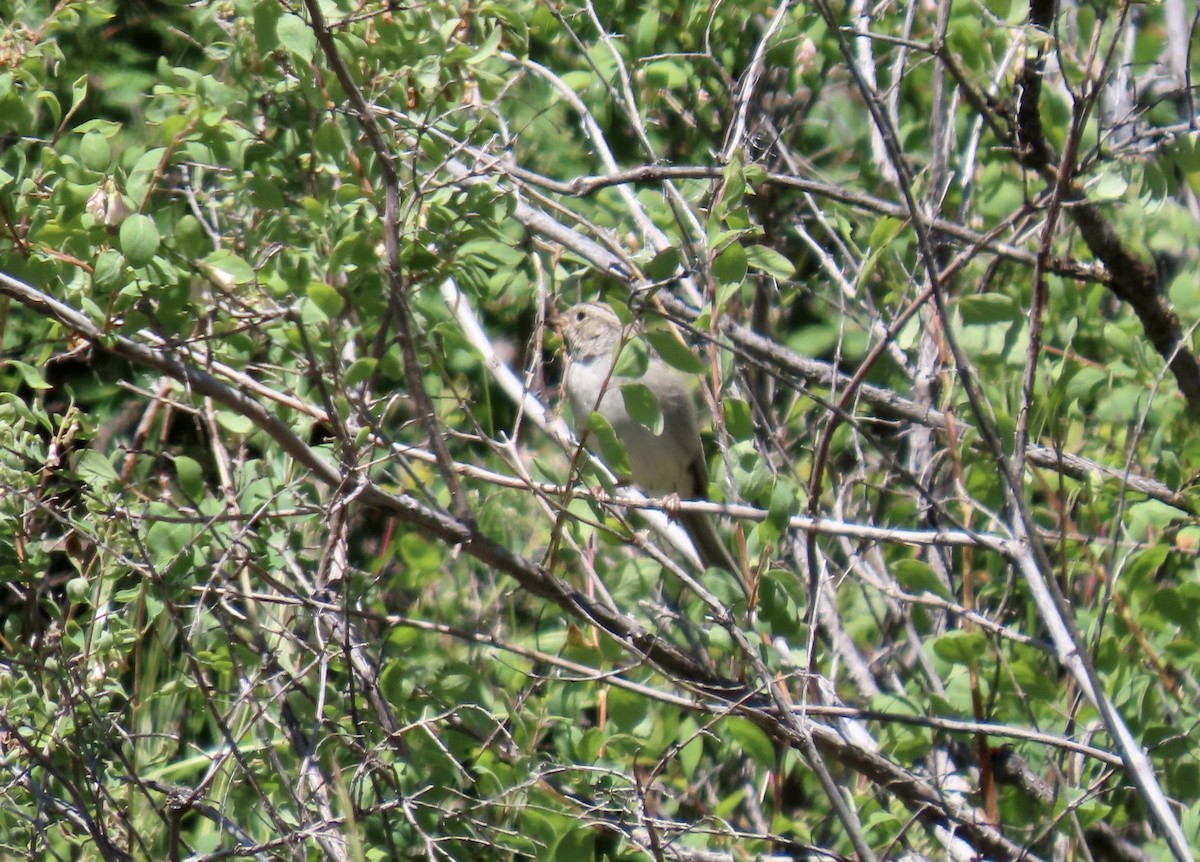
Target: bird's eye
579,317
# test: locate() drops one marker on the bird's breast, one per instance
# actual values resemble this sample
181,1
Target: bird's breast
660,463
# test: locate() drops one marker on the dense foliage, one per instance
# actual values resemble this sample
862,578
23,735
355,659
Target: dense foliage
299,559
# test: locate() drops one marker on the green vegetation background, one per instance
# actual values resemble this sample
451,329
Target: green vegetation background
289,568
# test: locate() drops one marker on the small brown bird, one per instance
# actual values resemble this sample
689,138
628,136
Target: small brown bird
670,462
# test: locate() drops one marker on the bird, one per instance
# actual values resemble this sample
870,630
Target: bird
664,464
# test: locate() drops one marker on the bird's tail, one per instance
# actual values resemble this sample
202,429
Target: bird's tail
712,551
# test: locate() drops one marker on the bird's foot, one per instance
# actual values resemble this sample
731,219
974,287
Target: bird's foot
671,504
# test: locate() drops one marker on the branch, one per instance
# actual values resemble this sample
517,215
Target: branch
1133,280
584,186
398,292
935,811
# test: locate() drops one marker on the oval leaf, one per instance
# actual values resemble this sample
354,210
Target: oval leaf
327,298
190,475
730,265
917,577
359,371
296,36
609,444
96,470
753,741
32,377
674,352
643,406
963,648
634,359
139,239
95,151
769,261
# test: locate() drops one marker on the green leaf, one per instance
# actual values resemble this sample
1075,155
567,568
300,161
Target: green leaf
886,229
110,266
190,239
52,105
1185,780
646,34
1166,742
395,682
666,74
95,151
296,36
738,420
986,308
93,311
576,844
752,740
578,80
664,265
108,128
540,830
611,448
1091,811
225,269
267,193
730,266
1145,563
770,261
814,340
311,313
518,27
628,710
359,371
917,577
139,239
95,470
20,407
692,746
235,422
1184,151
490,253
78,92
1149,517
418,553
959,647
785,502
78,590
190,476
755,174
1110,186
30,375
633,360
487,49
326,297
266,24
176,313
781,604
734,188
643,406
674,352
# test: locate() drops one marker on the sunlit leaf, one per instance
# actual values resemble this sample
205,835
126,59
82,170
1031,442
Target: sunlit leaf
139,239
643,407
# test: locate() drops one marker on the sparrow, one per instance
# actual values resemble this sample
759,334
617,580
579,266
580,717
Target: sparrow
664,464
